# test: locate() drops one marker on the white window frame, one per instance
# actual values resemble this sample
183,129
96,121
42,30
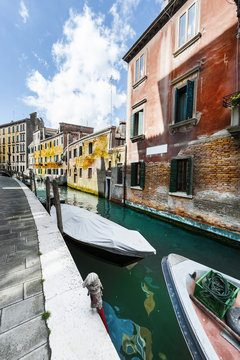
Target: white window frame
197,23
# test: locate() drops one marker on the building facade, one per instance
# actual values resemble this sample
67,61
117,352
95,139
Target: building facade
15,138
95,163
47,148
183,154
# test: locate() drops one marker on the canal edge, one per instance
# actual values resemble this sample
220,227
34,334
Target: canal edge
71,321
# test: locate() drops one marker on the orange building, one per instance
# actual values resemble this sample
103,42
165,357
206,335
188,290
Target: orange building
183,148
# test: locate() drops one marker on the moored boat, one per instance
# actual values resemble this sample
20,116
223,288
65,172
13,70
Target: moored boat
205,334
105,238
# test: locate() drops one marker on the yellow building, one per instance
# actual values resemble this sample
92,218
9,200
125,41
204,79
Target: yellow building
95,163
47,149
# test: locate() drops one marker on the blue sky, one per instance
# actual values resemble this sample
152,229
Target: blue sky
57,57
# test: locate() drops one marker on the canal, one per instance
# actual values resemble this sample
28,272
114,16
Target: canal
138,310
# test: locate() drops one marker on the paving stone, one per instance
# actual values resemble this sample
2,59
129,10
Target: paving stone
14,278
41,353
20,312
12,267
32,260
11,295
32,288
23,339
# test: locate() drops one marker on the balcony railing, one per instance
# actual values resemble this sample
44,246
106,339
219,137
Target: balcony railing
232,100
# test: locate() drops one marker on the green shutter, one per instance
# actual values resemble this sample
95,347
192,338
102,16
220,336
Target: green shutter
190,87
140,122
132,125
142,174
189,176
133,174
173,176
176,104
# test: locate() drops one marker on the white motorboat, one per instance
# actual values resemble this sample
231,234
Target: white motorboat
205,334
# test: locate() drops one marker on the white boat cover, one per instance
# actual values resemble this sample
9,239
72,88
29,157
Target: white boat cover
95,230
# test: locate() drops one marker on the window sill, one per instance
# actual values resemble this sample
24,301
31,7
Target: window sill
118,185
181,194
187,44
139,81
136,188
183,126
137,138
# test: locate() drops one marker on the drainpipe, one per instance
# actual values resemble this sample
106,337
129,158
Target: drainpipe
237,54
125,175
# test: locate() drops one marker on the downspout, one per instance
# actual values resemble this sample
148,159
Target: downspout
237,54
125,175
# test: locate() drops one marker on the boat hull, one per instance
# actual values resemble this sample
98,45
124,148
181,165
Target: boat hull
202,335
108,256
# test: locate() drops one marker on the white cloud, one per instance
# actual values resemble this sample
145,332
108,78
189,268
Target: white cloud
86,57
23,11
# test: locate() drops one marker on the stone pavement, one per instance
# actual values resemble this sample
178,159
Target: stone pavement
23,333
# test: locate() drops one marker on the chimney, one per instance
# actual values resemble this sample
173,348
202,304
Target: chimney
33,116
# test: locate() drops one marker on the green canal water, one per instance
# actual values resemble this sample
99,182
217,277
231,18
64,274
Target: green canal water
138,310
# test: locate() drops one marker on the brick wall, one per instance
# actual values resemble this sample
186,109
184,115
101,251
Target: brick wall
216,184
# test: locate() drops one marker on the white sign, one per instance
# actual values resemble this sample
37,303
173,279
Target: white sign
160,149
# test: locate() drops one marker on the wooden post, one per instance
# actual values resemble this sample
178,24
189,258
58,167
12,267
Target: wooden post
23,178
34,183
31,183
48,194
57,205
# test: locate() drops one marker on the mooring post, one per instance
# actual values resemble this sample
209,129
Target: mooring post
23,178
48,194
34,182
31,183
57,206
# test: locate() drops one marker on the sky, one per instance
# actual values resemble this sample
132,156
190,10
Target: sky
63,58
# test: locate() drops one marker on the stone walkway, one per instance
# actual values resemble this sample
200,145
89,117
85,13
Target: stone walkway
23,333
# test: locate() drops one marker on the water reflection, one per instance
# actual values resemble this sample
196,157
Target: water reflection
130,339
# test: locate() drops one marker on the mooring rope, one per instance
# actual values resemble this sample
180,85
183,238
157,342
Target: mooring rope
216,286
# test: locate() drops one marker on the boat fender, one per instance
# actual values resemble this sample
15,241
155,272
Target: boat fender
233,319
94,286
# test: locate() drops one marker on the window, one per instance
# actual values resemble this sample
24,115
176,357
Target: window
80,172
9,140
139,73
17,128
138,174
69,154
80,150
90,148
184,102
49,171
119,173
137,124
12,128
75,175
89,173
75,153
109,165
187,25
54,143
62,140
181,175
9,130
61,171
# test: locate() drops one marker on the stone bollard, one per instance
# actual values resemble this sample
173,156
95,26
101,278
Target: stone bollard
94,286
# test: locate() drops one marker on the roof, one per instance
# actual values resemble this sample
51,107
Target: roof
12,123
165,15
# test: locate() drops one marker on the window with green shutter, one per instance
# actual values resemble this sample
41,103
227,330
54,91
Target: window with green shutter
181,175
184,96
137,124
